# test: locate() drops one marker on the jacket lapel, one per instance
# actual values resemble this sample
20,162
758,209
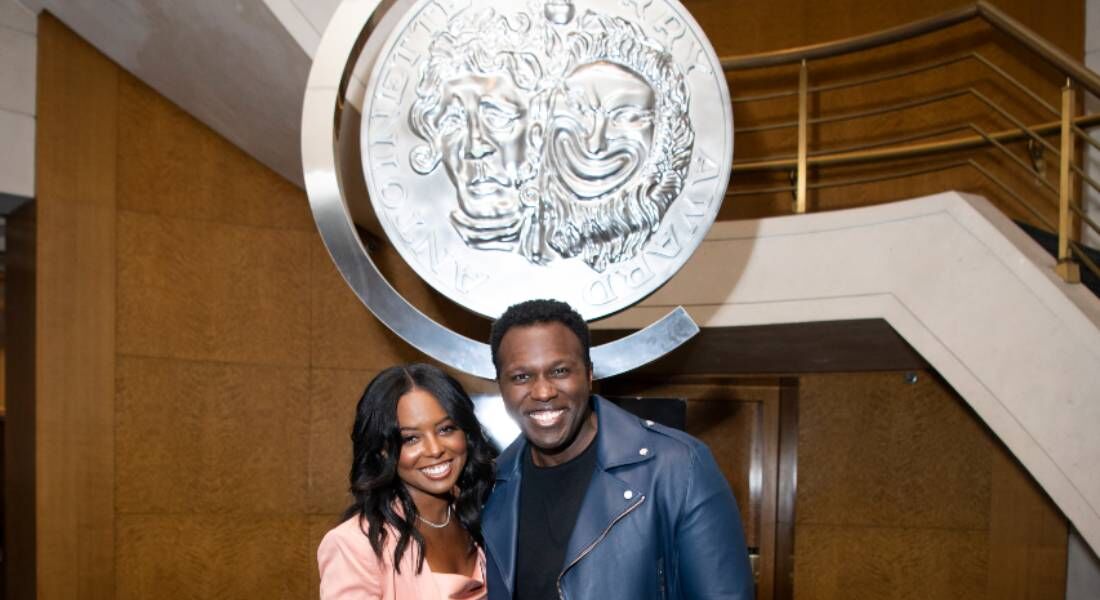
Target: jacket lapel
500,519
609,498
604,503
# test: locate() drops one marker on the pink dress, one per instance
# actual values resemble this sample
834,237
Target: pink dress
453,586
350,570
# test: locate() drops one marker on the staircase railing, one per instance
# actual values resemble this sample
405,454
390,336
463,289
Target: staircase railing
1067,124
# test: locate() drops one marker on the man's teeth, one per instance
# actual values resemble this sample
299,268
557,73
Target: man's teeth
546,417
437,470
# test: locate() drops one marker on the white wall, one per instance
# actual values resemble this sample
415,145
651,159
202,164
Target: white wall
304,19
18,53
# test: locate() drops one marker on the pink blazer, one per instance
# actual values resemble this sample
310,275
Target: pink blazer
351,571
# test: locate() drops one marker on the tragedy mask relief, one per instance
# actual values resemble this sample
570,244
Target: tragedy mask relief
480,134
472,111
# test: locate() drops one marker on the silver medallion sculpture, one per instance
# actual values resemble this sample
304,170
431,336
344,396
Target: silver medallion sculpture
576,150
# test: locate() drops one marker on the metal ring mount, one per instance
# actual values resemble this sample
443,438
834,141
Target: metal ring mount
347,38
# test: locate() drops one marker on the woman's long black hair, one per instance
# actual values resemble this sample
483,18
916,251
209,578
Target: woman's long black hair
380,497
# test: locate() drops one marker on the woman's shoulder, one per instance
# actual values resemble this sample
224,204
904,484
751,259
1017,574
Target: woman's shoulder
348,541
348,566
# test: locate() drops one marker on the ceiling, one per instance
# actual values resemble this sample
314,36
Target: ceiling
239,66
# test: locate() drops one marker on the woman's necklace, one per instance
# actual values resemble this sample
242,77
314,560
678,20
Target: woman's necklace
445,522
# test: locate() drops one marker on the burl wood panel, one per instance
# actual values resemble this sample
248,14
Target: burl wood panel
903,493
347,336
1027,537
172,165
876,451
889,563
75,316
201,437
191,557
200,290
344,334
333,396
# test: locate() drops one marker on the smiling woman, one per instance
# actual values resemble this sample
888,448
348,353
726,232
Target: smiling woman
421,471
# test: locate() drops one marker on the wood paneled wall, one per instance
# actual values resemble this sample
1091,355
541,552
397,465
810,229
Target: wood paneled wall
199,357
75,318
903,493
241,354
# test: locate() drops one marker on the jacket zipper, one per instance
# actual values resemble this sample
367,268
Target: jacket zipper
661,579
561,594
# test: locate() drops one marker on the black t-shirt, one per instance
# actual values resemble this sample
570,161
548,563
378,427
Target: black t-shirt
549,502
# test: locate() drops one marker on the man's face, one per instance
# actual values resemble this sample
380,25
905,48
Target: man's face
546,383
602,129
481,131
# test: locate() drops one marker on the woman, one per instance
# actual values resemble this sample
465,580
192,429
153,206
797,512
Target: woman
421,471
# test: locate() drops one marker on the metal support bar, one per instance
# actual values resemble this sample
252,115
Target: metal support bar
803,137
1067,268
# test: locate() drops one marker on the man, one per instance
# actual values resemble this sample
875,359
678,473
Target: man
591,502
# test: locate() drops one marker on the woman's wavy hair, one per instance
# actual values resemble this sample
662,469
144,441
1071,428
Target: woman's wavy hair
380,498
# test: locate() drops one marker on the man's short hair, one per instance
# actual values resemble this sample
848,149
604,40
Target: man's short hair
536,312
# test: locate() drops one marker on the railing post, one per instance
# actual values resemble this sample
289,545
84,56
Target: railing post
803,131
1067,267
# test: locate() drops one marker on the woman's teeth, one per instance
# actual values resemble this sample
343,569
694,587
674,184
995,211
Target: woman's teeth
437,471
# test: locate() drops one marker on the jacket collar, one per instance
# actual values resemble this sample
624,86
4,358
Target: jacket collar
618,438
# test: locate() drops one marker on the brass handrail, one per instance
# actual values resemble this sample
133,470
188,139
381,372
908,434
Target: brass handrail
910,173
906,105
1069,126
991,14
859,114
815,89
848,157
905,73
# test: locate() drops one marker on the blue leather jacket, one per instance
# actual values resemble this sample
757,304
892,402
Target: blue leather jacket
658,520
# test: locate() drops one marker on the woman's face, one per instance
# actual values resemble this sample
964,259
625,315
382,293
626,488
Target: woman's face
433,448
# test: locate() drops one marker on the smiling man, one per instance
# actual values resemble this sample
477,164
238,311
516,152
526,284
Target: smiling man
592,502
